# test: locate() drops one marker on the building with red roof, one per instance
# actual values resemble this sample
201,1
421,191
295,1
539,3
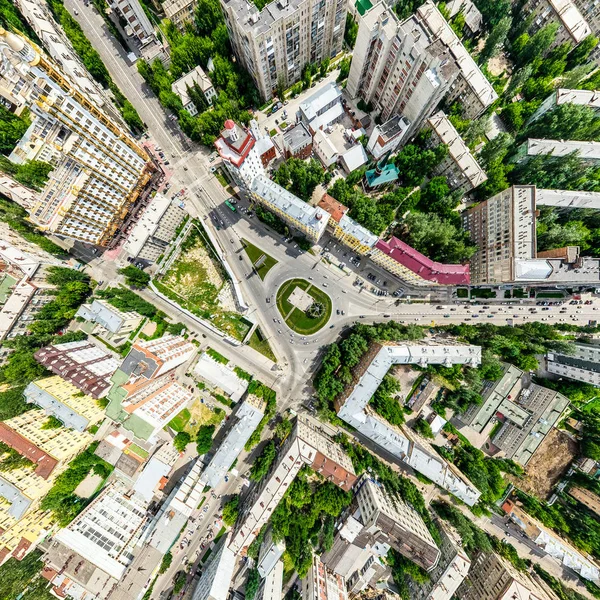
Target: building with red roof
401,259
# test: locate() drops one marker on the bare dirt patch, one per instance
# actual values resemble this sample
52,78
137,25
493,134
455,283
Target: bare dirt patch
548,465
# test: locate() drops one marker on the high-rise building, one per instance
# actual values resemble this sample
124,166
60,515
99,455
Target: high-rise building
217,573
589,98
99,169
407,67
323,584
83,364
276,43
582,365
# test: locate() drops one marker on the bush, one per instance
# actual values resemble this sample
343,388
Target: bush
252,584
165,563
181,440
263,463
135,277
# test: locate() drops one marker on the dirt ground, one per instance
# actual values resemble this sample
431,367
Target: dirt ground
548,465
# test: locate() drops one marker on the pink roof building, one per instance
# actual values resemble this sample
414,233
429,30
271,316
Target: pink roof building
422,266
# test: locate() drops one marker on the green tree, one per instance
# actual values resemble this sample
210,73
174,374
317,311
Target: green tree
204,439
299,176
423,427
231,511
208,16
581,52
539,43
353,349
167,559
263,462
181,440
12,129
283,429
493,12
566,122
135,277
252,584
351,31
344,66
385,403
495,39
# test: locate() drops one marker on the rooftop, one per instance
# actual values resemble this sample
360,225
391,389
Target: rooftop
310,216
568,199
571,19
336,209
397,125
362,234
422,265
195,76
585,150
589,98
319,100
297,137
388,174
221,376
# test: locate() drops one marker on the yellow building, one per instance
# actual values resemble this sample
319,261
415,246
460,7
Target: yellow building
64,401
19,536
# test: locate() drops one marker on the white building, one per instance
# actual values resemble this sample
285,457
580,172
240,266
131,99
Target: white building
387,136
221,376
588,152
353,409
196,77
582,365
138,24
322,584
113,324
406,68
322,109
270,554
276,43
99,169
589,98
311,221
216,573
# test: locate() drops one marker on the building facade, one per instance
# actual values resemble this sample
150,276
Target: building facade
322,584
138,25
582,365
180,12
99,171
407,67
386,138
276,43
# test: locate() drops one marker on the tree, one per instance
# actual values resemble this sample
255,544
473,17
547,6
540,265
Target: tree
252,584
181,440
423,427
299,177
493,11
204,438
12,403
283,429
12,129
231,511
579,54
208,16
263,462
353,349
495,39
344,66
167,559
384,402
566,122
351,31
518,78
135,277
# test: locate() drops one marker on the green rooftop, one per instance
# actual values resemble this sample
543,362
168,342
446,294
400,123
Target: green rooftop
362,6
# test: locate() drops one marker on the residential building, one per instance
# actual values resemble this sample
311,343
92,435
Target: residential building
236,146
113,324
138,25
450,571
217,573
24,289
322,109
243,422
64,401
407,67
346,230
309,220
504,230
198,79
20,537
82,364
100,171
589,98
472,16
386,138
573,27
156,229
527,411
409,264
582,365
311,443
586,497
587,152
459,167
221,376
322,584
297,142
180,12
276,43
492,577
395,523
352,407
336,145
270,554
271,587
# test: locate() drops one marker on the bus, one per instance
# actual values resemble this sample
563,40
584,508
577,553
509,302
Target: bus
230,206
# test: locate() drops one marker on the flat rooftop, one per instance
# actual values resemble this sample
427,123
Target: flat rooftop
585,150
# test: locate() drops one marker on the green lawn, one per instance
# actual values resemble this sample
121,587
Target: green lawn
482,293
254,254
296,319
462,293
179,422
260,344
221,178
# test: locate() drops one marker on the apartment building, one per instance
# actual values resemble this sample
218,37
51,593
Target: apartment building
297,142
590,500
395,523
573,27
198,79
346,230
450,571
352,407
311,443
138,25
407,67
589,98
492,577
217,573
276,43
64,401
322,109
150,359
309,220
99,169
180,12
587,152
322,584
156,229
504,230
527,411
112,324
459,167
82,364
386,138
270,554
582,365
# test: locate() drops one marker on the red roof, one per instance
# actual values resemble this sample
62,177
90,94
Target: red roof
45,462
336,209
424,267
229,124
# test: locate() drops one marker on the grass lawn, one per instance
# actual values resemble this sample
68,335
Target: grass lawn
221,178
462,293
254,254
482,293
260,344
179,422
273,132
296,319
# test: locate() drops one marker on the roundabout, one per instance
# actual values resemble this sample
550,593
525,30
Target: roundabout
304,307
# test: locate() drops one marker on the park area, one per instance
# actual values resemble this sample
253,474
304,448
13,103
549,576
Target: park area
198,283
192,418
304,307
261,261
